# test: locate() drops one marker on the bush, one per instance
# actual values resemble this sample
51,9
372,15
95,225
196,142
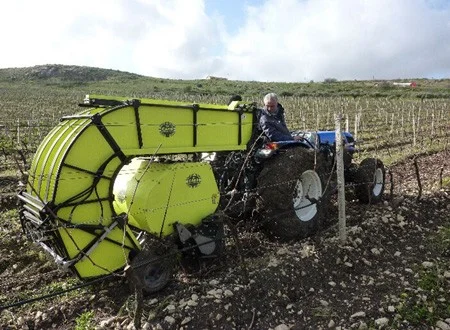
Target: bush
330,80
286,93
384,85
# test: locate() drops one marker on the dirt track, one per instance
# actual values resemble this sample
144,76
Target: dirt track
392,270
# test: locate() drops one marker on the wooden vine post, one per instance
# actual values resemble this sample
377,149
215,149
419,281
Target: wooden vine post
340,179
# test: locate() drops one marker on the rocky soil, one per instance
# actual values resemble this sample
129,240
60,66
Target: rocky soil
393,272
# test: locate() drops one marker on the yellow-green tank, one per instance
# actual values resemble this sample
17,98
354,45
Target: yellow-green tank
89,170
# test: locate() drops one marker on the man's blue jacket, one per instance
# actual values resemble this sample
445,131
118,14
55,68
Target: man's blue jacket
274,125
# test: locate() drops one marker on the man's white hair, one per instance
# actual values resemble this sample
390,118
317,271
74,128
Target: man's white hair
270,97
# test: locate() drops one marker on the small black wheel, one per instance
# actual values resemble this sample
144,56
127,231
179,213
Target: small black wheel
294,198
370,181
152,272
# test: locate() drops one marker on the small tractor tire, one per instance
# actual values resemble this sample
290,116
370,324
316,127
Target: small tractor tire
152,272
294,198
370,181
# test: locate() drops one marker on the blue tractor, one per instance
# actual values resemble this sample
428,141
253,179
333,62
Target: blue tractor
289,185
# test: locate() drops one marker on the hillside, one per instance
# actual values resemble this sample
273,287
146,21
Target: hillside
69,76
67,73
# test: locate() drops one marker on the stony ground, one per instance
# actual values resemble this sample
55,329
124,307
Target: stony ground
393,272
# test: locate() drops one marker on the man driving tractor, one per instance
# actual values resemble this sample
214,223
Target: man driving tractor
272,121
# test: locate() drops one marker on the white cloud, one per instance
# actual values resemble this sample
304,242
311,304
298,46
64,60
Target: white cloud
180,45
298,40
52,31
277,40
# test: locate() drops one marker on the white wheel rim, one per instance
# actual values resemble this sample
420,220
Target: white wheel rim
307,191
378,182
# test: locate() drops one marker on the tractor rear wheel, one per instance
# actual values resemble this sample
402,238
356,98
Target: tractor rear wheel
294,198
370,180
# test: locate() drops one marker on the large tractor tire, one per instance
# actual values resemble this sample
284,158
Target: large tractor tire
370,181
294,198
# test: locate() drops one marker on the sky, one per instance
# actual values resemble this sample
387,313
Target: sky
260,40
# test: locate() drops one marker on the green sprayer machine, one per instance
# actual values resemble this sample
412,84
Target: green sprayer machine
138,182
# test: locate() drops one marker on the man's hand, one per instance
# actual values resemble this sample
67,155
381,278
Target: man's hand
298,138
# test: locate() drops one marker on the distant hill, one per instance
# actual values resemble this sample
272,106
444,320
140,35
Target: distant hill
58,72
115,82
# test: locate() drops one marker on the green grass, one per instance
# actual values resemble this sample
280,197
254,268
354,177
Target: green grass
85,321
446,182
442,241
9,223
430,302
65,284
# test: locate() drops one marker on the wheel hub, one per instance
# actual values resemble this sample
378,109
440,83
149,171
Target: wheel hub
377,182
307,192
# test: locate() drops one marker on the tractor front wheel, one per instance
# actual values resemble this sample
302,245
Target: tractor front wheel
370,180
